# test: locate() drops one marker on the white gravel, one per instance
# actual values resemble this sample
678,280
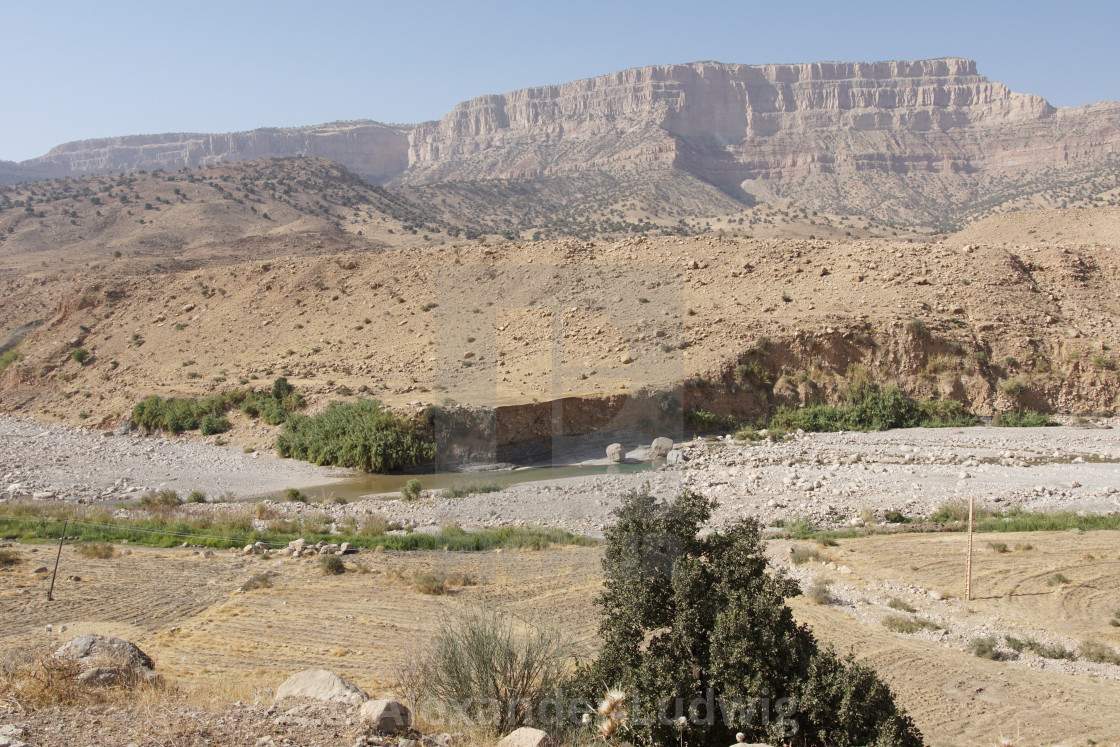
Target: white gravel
57,462
833,479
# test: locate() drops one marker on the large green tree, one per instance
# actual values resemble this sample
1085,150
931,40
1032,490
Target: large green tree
696,628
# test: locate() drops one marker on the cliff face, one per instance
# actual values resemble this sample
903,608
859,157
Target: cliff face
917,141
373,150
733,125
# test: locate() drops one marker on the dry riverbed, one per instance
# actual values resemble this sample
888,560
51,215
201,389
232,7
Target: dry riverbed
833,479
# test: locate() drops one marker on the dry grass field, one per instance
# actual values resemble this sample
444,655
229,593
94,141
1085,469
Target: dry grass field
207,637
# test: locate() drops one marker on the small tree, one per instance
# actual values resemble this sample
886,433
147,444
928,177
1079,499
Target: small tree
697,628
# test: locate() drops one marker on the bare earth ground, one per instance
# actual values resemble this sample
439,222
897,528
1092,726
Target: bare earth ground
209,639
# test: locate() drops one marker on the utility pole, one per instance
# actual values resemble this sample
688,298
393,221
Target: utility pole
968,565
50,593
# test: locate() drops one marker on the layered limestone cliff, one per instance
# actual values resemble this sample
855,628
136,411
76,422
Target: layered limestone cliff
374,150
751,129
923,141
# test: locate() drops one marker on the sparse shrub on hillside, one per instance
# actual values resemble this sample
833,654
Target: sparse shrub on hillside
1098,653
704,420
819,592
355,434
908,625
686,617
261,580
439,582
1022,419
984,647
331,565
161,498
945,413
901,605
196,496
80,356
917,328
96,550
1012,387
803,555
9,357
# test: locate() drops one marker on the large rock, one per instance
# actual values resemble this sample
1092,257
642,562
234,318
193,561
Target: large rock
319,684
675,456
616,453
104,660
386,716
526,737
661,447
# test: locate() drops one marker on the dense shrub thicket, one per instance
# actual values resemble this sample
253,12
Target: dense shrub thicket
207,415
869,408
358,434
697,627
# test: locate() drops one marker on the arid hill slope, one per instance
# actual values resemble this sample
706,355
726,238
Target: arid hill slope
743,324
930,142
1033,227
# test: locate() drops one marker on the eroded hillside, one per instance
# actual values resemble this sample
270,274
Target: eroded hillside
742,325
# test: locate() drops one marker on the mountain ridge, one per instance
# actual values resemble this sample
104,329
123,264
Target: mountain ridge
917,142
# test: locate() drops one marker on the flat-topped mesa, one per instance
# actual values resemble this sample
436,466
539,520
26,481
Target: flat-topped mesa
371,149
724,103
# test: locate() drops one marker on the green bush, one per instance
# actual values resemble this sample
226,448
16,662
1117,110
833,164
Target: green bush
9,357
866,407
984,647
332,565
211,424
161,498
1022,419
458,491
355,434
687,618
179,414
196,496
296,495
80,356
411,490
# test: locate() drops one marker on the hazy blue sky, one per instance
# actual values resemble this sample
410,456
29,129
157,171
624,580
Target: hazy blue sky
75,70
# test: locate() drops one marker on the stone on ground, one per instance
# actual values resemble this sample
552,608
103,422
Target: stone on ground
386,716
526,737
661,447
105,660
319,684
616,453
